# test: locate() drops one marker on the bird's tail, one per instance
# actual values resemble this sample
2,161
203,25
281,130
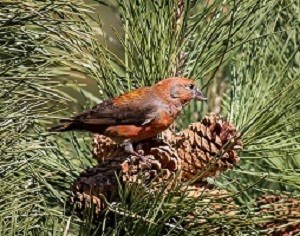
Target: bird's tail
65,125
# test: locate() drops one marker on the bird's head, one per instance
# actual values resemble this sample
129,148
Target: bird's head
180,90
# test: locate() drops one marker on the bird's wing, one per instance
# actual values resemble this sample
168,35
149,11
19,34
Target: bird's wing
131,108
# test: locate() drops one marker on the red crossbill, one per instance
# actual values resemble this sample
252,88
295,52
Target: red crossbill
136,115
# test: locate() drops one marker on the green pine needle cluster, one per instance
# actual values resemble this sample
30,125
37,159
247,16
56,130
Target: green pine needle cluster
245,56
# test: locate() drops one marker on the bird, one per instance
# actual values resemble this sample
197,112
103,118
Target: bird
137,115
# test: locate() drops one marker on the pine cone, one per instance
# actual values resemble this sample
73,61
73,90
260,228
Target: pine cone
94,183
101,180
202,147
282,214
214,209
105,148
195,151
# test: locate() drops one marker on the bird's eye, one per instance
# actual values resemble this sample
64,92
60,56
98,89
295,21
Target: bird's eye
192,86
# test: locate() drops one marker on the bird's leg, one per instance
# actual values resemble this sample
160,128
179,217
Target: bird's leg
127,145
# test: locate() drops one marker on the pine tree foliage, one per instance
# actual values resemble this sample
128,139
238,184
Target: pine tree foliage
264,102
246,52
35,171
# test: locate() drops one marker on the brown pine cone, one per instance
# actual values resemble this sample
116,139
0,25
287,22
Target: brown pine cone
105,148
93,184
282,214
213,208
208,148
101,180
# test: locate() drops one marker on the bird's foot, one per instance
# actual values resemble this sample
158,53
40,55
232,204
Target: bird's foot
127,145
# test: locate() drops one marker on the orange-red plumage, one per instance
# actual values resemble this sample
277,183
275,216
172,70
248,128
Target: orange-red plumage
139,114
137,133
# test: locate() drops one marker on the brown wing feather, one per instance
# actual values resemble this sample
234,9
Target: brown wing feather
138,107
133,107
107,113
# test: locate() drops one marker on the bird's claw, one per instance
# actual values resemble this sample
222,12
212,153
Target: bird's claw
129,149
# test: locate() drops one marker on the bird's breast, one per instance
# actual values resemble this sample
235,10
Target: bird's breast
165,118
